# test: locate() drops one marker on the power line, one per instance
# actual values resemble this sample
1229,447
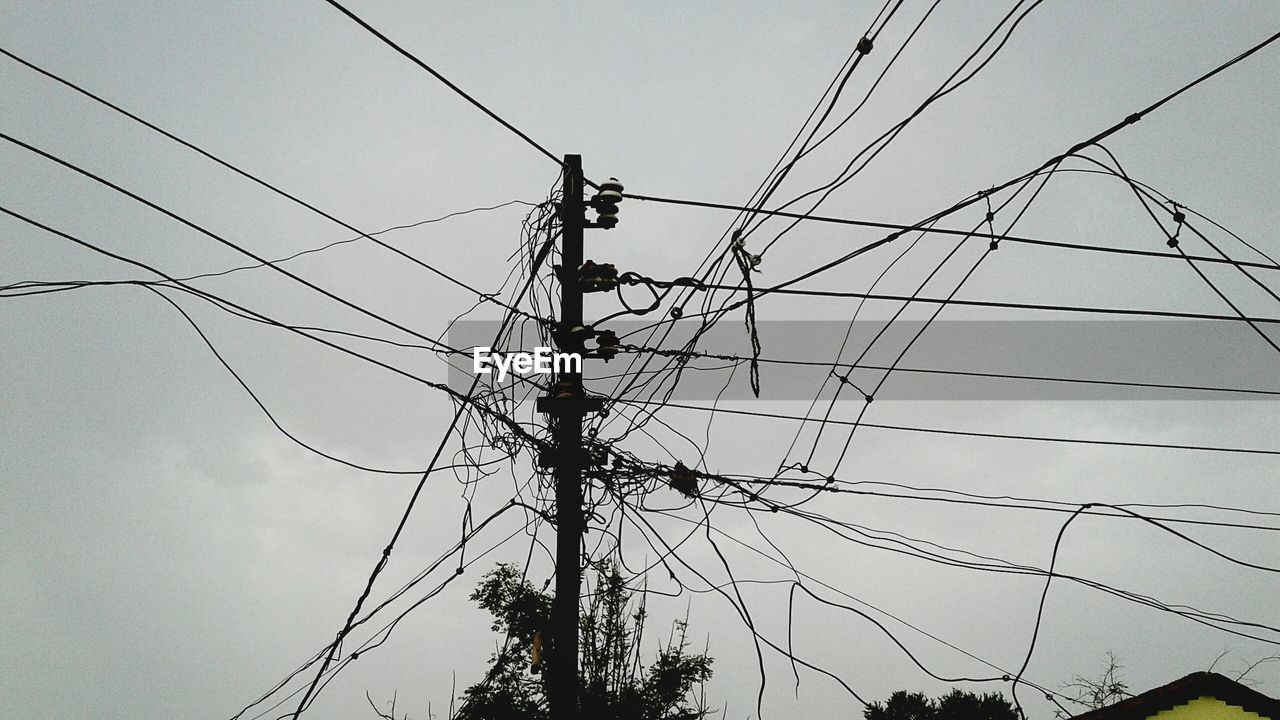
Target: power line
484,297
885,139
1172,241
924,228
740,604
981,501
385,629
416,61
262,406
938,310
269,186
433,467
510,424
800,573
1057,544
883,72
1051,162
964,433
209,233
718,314
538,259
782,290
908,546
708,266
861,50
958,373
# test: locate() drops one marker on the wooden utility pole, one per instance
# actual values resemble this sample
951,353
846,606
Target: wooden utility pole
567,417
567,404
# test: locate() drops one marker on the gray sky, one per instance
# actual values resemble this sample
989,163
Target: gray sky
168,553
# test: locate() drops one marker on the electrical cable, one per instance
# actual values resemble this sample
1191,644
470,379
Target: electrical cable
269,186
974,433
416,61
782,289
923,227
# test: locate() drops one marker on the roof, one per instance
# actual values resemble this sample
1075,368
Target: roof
1183,691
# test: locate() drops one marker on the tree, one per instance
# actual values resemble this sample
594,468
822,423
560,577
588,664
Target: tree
1242,675
616,685
1105,689
955,705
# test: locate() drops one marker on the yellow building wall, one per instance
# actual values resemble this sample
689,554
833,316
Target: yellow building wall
1207,708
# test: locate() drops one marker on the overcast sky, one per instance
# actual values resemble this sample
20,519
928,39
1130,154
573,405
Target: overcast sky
167,552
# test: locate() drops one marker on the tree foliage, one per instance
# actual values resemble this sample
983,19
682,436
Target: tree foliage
955,705
616,684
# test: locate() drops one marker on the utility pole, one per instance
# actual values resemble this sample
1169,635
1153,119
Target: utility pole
562,680
567,405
